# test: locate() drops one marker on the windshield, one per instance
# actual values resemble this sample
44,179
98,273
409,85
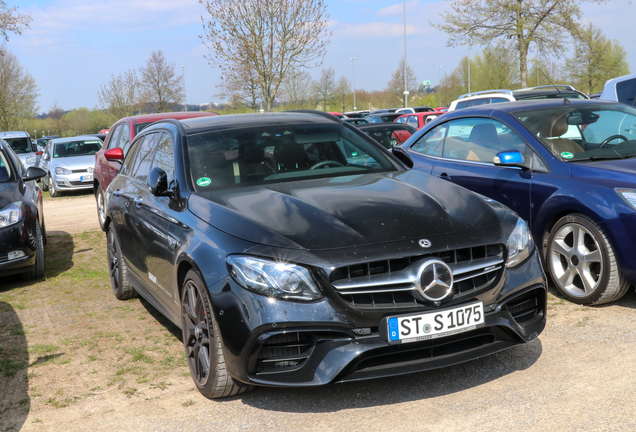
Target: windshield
5,169
19,145
77,148
280,153
584,132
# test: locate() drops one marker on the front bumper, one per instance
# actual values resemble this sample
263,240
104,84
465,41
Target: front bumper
16,238
73,181
279,343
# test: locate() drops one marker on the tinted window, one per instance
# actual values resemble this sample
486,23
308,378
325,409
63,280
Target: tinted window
400,120
278,153
497,100
139,127
76,148
5,168
431,143
479,140
19,145
113,137
626,91
124,138
164,156
412,120
478,102
461,105
143,157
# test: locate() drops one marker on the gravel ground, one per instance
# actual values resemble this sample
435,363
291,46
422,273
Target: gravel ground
578,376
71,213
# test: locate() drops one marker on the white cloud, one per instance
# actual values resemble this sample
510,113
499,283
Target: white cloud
377,30
398,9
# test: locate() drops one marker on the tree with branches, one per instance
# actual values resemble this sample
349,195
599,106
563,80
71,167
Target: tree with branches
269,37
18,92
160,84
121,95
56,113
296,89
395,86
12,21
541,25
343,91
324,88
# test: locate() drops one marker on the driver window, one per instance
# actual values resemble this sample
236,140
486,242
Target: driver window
164,156
431,143
143,158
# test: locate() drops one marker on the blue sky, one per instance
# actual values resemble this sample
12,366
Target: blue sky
73,46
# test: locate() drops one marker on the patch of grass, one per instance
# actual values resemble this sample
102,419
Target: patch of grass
138,355
62,403
130,392
187,403
96,388
42,349
583,322
9,367
161,385
37,420
92,358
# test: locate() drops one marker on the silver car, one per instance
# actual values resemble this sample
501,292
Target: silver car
21,144
69,163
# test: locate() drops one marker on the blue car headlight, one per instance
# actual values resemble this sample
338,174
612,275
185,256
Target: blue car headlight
11,214
273,279
63,171
520,244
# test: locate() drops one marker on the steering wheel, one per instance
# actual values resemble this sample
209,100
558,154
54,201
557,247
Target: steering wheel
326,163
613,137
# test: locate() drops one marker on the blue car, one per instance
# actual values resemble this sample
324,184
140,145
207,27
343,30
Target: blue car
567,167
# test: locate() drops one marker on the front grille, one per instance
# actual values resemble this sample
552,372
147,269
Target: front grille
79,183
284,352
393,283
526,306
85,170
4,257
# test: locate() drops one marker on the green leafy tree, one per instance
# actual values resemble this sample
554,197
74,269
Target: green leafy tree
495,68
595,60
540,25
18,92
324,89
395,86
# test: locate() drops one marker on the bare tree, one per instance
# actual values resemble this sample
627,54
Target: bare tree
56,113
296,89
11,21
161,86
18,92
595,60
324,88
269,37
121,95
395,86
241,90
343,90
542,24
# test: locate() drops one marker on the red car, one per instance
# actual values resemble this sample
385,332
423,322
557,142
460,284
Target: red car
418,120
120,135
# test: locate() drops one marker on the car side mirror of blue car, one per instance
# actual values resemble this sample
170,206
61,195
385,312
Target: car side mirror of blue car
511,158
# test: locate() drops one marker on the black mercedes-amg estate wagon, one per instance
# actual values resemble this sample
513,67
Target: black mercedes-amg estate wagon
293,250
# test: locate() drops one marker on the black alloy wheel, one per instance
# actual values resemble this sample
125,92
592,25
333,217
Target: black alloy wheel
202,342
117,268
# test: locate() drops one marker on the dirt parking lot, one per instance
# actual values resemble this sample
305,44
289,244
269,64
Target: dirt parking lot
73,358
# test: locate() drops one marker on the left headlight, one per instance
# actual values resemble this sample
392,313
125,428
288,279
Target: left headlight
273,279
63,171
30,160
520,244
11,214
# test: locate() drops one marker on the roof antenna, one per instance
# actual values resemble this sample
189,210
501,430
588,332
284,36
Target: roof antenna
566,101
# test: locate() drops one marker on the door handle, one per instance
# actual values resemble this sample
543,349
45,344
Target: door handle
138,202
444,176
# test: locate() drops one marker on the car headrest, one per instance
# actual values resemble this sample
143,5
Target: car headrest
554,126
483,134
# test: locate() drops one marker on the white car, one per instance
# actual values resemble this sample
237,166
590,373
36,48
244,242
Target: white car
481,98
21,144
621,89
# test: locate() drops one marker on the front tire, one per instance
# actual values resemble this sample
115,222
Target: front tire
202,342
37,271
101,209
52,191
117,268
582,262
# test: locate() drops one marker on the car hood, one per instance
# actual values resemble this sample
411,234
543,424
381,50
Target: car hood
9,193
623,171
75,162
344,211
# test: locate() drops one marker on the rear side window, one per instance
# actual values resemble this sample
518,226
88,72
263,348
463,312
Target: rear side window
113,137
497,100
461,105
626,91
143,158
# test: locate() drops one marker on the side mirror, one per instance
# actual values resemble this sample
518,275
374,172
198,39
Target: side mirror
114,154
511,158
403,156
34,173
158,183
46,156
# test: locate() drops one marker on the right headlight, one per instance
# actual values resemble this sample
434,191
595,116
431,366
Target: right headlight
520,244
273,279
11,214
63,171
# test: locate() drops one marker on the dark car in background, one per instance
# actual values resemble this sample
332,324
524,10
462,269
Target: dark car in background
355,121
22,230
568,169
120,136
382,117
287,263
388,134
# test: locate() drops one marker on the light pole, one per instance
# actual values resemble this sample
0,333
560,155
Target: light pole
468,70
353,65
406,90
440,86
185,98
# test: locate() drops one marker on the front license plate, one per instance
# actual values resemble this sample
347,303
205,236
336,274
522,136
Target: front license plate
86,178
436,324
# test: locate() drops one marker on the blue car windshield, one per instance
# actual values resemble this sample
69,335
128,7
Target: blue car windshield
587,132
256,155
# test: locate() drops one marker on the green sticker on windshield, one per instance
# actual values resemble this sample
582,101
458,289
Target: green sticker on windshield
204,181
567,155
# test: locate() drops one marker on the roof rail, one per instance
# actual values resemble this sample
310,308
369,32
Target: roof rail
565,86
508,92
315,112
